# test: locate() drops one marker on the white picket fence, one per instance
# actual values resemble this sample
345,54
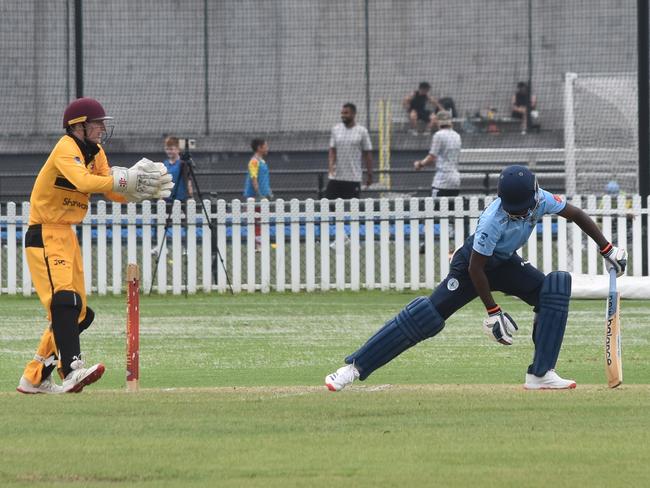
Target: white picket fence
360,244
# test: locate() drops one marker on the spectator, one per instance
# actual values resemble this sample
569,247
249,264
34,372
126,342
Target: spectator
520,103
258,182
444,155
349,144
416,106
179,171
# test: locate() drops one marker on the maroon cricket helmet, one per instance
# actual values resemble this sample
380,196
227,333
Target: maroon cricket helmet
83,110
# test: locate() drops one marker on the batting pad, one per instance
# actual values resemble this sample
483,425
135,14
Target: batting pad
418,321
551,321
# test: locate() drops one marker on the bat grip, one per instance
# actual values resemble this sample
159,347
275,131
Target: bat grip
612,280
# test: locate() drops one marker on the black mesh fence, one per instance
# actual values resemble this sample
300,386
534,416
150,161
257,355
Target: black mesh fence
223,72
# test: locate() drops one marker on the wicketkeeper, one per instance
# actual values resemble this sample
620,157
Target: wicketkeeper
76,168
488,261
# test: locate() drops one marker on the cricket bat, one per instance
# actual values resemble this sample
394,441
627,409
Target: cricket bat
613,362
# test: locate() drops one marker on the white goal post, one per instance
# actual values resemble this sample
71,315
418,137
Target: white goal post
601,133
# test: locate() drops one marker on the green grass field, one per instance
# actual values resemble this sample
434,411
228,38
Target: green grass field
232,396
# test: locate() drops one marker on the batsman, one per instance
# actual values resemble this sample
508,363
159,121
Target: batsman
76,168
488,262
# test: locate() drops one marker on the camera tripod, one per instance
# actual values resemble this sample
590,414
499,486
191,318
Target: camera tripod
186,161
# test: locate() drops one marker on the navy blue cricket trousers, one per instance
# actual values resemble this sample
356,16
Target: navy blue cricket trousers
513,276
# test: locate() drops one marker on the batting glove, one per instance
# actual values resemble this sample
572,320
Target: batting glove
500,326
615,258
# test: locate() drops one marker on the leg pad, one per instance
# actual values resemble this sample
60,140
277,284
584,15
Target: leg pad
65,308
419,320
550,322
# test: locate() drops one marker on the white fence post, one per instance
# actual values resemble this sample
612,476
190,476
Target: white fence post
607,220
236,245
384,244
12,265
459,222
190,245
429,259
295,245
177,248
399,244
369,217
131,234
161,245
339,244
147,250
116,241
324,245
355,268
444,237
576,239
280,240
562,248
547,243
621,224
414,242
217,257
265,264
251,244
310,245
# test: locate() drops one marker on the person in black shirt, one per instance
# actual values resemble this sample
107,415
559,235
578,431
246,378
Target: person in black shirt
416,106
520,101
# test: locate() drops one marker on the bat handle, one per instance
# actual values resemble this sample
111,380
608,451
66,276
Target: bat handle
612,280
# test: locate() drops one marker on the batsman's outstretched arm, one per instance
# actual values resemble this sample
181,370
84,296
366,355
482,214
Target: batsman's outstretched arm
586,223
615,258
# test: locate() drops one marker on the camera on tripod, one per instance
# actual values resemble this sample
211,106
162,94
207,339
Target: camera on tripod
186,145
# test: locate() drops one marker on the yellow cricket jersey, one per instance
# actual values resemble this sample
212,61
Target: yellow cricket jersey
62,189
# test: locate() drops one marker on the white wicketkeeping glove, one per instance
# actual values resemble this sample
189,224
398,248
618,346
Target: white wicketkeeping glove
144,180
615,258
166,180
500,327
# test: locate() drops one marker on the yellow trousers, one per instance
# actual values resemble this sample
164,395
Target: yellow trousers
55,263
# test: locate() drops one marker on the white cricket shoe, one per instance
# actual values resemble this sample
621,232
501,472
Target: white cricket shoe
80,376
343,377
47,386
550,381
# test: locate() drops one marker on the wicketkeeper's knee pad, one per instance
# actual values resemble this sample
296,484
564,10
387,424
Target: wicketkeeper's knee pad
419,320
551,319
66,298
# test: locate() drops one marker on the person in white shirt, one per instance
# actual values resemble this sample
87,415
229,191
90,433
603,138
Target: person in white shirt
444,155
349,145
